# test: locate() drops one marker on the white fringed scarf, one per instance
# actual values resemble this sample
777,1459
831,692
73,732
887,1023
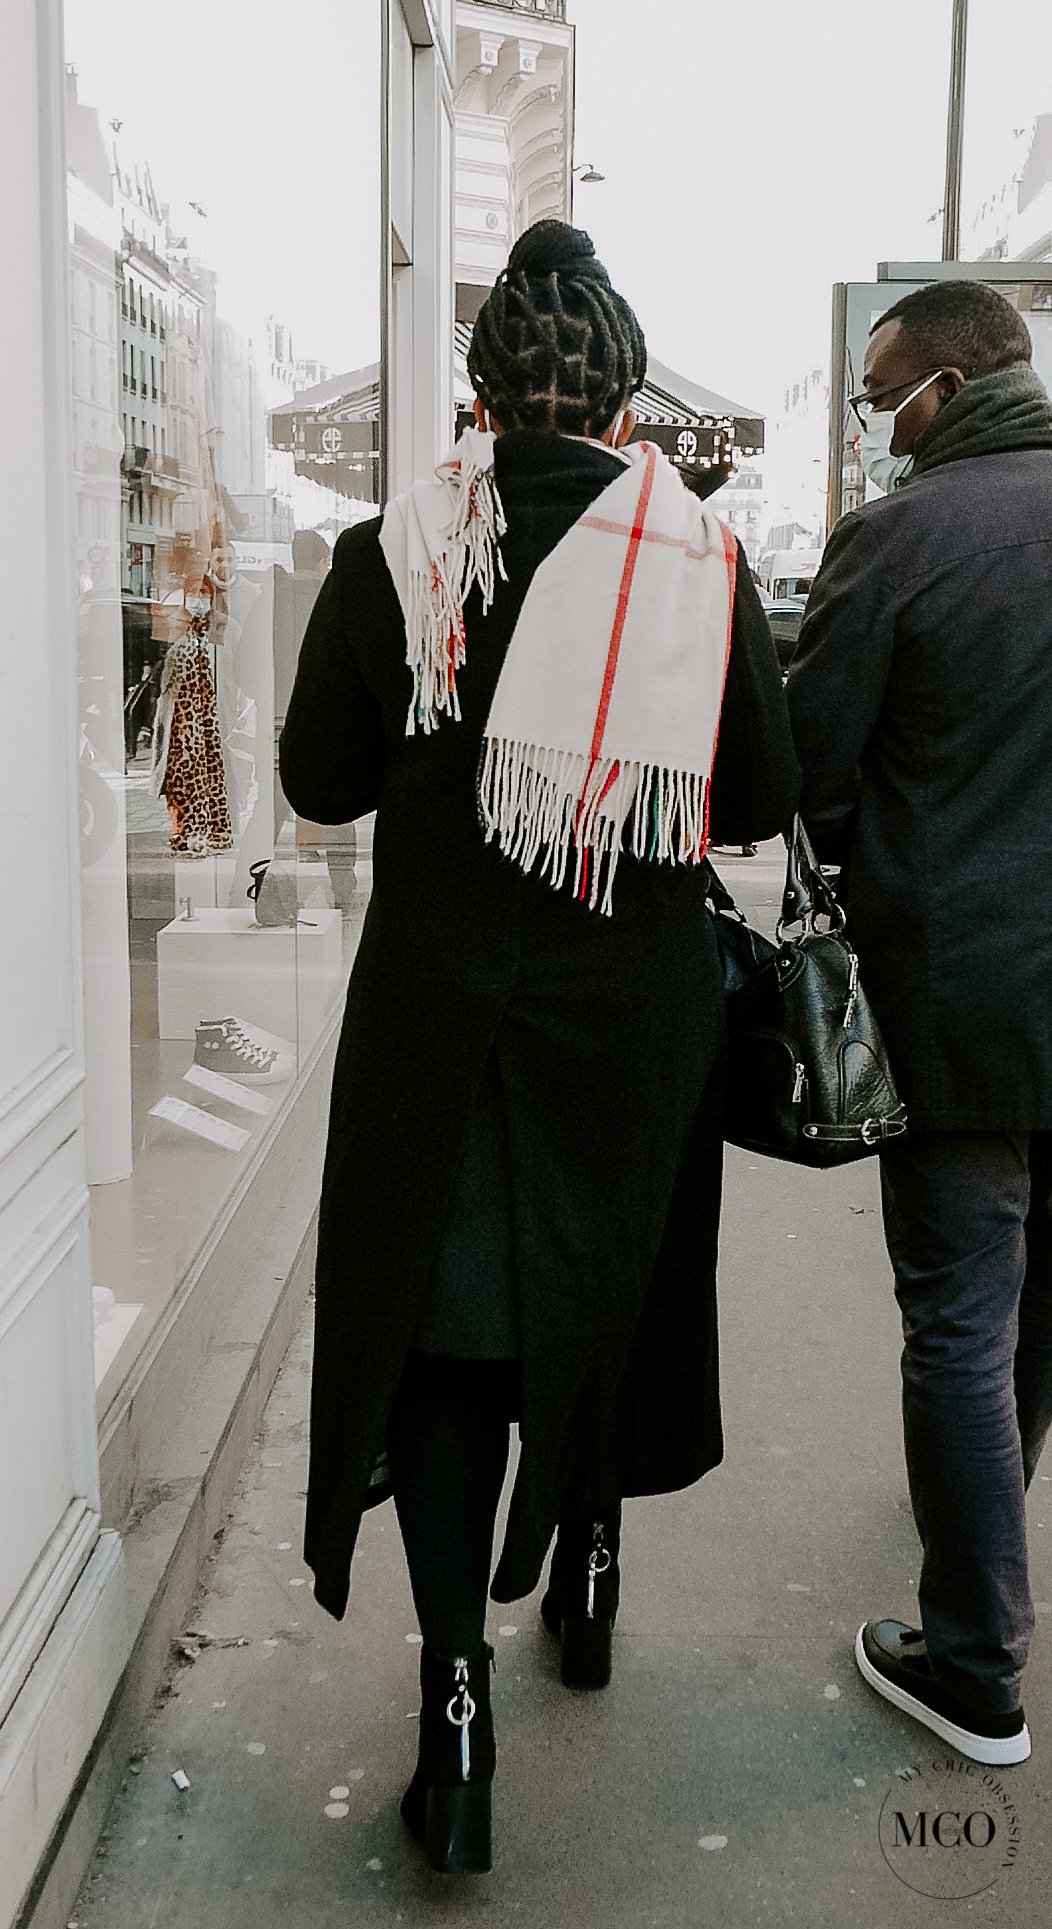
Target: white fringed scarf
603,726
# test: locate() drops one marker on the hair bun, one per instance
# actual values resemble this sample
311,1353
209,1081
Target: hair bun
554,248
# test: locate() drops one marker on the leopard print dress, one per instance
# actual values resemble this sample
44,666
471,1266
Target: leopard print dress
188,751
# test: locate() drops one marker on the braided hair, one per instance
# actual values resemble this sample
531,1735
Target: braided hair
554,345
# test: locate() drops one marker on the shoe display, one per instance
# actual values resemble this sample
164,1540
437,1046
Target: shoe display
234,1050
447,1805
580,1605
257,1036
893,1659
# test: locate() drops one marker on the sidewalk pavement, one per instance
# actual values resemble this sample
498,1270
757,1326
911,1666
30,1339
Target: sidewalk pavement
736,1772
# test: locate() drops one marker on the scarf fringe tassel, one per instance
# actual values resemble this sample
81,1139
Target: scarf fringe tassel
435,620
549,806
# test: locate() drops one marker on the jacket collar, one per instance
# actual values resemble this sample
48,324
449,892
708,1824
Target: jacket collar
528,458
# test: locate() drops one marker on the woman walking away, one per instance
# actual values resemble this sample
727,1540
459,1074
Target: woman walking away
522,668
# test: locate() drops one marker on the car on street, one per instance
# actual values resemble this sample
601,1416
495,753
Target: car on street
785,615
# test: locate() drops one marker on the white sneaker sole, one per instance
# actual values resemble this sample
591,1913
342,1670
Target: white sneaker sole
275,1075
993,1752
278,1073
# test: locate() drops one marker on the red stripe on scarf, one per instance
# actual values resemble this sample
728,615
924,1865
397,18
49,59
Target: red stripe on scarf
621,612
635,538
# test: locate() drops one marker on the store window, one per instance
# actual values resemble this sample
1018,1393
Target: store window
224,266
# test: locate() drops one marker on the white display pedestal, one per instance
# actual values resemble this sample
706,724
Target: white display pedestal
222,964
207,880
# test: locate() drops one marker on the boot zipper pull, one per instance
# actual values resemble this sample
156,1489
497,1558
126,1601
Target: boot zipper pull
462,1719
598,1562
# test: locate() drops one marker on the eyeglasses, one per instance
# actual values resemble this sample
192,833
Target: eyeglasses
865,404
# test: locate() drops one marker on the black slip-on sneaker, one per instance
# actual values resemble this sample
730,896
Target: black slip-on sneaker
893,1658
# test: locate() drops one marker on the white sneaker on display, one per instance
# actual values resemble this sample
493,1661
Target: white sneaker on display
257,1036
236,1050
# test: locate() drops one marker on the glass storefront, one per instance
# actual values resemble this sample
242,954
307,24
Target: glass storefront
223,209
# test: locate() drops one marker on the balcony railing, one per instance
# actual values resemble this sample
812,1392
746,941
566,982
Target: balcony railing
547,9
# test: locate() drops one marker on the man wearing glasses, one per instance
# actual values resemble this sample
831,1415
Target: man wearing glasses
921,700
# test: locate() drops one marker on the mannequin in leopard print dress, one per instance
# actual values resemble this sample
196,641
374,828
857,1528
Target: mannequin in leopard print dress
187,746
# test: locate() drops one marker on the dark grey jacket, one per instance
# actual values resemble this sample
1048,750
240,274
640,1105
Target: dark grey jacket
921,703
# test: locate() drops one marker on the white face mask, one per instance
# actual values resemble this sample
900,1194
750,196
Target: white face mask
885,470
197,605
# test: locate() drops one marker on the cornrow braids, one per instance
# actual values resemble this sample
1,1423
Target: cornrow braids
554,345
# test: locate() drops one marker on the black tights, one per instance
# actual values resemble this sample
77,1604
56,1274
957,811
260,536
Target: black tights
447,1445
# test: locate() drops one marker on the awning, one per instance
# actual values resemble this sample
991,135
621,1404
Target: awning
702,432
333,428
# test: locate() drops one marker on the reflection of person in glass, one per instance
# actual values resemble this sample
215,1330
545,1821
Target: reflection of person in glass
522,1190
188,752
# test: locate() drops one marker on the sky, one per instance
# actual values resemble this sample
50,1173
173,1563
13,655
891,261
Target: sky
758,152
755,152
267,114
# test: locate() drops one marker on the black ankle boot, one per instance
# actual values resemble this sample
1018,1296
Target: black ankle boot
581,1602
447,1803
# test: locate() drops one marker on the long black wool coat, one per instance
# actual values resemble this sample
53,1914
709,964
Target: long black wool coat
603,1036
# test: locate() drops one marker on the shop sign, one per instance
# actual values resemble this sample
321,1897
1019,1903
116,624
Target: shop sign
334,440
688,443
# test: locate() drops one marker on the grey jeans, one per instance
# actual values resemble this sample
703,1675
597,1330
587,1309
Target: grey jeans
968,1222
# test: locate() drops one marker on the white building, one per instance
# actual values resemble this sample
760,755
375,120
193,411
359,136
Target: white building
514,132
1013,222
795,461
739,503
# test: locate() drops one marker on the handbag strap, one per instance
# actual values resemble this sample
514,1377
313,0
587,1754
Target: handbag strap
717,893
807,894
874,1131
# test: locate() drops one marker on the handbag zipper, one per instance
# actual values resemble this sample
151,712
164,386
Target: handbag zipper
852,992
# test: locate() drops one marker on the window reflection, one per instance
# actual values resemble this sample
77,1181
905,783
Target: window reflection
215,468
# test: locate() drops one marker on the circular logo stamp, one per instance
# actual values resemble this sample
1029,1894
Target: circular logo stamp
950,1828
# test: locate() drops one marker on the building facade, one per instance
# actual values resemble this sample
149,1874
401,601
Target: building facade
514,133
1013,222
795,464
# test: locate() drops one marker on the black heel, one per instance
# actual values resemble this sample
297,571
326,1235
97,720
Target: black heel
581,1603
587,1653
447,1805
458,1829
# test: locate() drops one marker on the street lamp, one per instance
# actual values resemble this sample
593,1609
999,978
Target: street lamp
588,173
951,206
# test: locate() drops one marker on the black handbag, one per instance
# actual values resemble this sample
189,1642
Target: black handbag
808,1077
